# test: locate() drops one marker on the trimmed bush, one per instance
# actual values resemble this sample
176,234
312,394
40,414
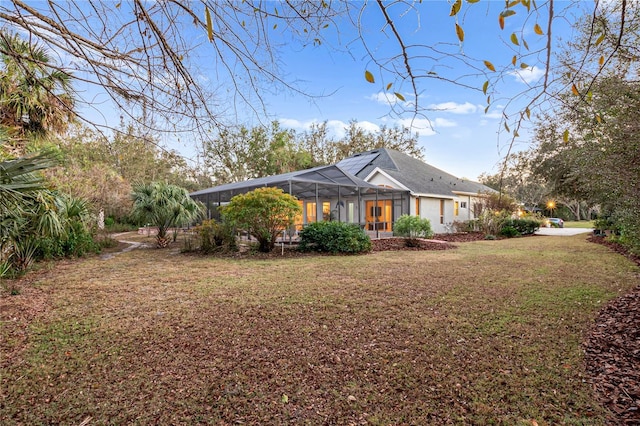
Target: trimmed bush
412,227
522,226
264,213
334,237
509,232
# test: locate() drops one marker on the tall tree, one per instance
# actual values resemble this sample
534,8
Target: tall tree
36,96
152,45
592,152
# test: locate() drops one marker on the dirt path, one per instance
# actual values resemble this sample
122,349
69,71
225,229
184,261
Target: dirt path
132,245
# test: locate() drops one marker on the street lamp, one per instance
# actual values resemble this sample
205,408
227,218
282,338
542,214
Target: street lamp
550,206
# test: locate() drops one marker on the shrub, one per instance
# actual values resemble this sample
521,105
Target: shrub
412,227
334,237
263,213
215,236
76,242
522,226
509,231
491,222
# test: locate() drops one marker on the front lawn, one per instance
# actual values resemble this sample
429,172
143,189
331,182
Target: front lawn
488,333
579,224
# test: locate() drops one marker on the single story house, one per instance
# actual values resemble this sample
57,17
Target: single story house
371,189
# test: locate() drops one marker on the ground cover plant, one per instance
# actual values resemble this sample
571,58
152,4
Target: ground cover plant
487,333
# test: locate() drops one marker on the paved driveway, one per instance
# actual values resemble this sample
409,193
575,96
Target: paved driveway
563,232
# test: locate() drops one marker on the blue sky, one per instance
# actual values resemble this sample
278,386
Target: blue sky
457,134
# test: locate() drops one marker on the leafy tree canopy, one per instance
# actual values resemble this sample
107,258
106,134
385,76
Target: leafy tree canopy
263,213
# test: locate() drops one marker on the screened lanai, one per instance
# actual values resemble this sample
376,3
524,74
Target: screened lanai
325,193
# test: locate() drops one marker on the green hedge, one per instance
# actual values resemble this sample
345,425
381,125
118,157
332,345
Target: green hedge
521,226
334,237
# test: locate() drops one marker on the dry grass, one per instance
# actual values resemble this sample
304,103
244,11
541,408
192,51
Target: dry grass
489,333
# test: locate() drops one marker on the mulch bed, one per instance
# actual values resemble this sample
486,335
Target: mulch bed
612,351
438,242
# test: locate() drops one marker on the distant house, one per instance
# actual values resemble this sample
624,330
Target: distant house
373,189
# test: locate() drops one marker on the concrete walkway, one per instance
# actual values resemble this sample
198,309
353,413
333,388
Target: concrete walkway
563,232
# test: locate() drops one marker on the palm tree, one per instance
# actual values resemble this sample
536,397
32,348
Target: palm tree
28,210
35,99
164,206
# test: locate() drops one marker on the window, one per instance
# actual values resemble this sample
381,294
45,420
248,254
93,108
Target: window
442,211
326,211
463,204
311,212
351,212
378,215
417,206
456,208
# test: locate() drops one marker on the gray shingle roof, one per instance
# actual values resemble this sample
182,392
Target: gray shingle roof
418,176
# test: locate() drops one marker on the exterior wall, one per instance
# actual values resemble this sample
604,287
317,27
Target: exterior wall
381,180
465,210
429,208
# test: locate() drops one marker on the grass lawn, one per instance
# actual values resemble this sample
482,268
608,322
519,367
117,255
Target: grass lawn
578,224
488,333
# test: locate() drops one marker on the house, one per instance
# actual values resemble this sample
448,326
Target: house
372,189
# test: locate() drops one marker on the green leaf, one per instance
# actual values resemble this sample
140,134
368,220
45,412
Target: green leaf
485,86
507,13
589,96
514,39
399,96
209,24
600,39
524,65
275,26
456,7
285,398
565,136
369,77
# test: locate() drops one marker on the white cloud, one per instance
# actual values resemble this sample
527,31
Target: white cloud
528,75
443,122
384,98
421,124
294,124
336,127
454,108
